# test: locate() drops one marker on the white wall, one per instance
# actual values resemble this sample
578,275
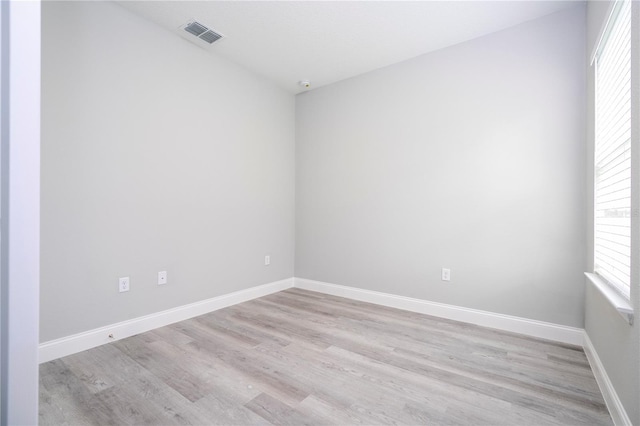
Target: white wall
20,210
155,156
470,158
615,341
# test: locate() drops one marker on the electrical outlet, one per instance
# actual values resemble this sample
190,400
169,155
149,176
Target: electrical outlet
162,277
446,274
267,260
123,284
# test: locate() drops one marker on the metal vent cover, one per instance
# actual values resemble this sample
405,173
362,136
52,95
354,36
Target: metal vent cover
210,36
202,32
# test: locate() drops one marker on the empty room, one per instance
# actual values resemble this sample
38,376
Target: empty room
311,212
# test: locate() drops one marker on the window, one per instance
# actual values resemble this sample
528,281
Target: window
613,151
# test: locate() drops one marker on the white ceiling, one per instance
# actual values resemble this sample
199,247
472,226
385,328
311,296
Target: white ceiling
328,41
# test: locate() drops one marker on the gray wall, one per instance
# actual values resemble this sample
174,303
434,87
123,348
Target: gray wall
470,158
616,342
155,156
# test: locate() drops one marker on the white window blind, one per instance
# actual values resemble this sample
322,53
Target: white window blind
613,151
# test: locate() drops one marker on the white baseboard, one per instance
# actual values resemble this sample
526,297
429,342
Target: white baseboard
58,348
614,405
82,341
544,330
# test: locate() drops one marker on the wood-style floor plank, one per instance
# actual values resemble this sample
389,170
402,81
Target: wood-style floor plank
304,358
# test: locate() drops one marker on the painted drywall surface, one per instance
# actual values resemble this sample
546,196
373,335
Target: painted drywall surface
156,156
469,158
617,346
616,342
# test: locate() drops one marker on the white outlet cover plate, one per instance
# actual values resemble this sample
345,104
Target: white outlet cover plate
162,277
446,274
123,284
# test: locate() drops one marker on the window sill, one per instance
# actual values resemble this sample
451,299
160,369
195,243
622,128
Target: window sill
622,305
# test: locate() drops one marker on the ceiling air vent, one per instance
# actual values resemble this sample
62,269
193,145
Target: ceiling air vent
202,32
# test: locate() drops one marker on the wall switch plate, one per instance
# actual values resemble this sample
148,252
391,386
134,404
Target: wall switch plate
162,277
267,260
446,274
123,284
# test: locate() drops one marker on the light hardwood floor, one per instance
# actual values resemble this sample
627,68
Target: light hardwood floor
304,358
